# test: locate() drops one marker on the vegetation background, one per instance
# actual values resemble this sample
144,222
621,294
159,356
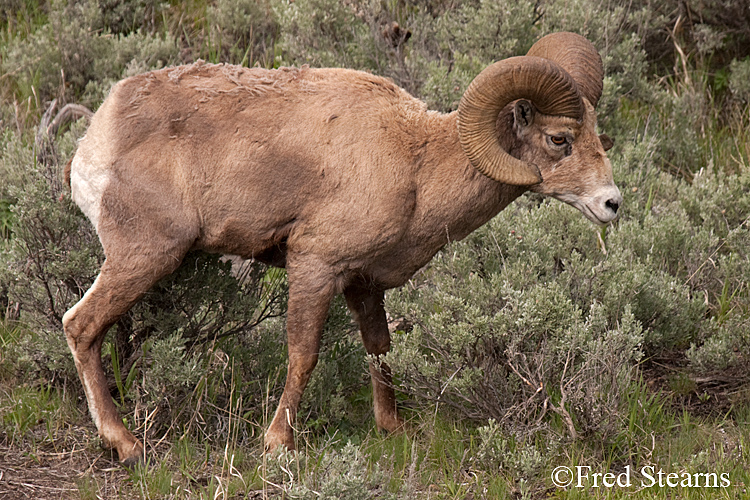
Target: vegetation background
537,342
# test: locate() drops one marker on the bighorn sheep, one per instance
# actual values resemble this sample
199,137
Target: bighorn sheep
338,175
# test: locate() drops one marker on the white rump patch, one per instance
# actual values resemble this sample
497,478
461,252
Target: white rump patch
89,178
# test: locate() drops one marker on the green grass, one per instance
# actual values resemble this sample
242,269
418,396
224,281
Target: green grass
436,457
33,417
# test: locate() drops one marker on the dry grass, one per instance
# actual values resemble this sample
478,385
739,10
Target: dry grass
74,466
56,470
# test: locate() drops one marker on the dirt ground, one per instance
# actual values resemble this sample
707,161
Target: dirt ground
73,466
76,467
49,474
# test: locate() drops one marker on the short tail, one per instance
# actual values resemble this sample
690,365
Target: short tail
66,172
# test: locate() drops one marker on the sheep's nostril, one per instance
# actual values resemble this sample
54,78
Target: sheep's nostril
612,205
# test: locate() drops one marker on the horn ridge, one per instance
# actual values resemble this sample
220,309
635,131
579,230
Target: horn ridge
576,55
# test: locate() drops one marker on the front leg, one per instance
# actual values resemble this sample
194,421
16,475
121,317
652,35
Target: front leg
366,306
310,293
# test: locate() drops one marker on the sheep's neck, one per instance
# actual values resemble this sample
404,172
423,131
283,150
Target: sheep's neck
453,194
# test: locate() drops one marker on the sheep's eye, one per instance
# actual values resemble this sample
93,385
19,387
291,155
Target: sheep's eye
558,140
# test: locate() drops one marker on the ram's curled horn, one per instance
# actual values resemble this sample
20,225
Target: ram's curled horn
552,90
576,55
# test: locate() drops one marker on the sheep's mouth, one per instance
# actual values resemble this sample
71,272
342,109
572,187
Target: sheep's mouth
593,217
591,214
595,208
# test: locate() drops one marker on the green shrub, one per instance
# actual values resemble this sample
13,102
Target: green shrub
739,80
508,323
74,56
127,16
323,33
499,452
243,32
53,254
337,474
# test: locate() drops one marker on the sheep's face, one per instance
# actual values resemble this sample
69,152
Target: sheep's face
571,158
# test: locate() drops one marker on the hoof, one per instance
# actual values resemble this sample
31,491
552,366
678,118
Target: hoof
274,441
390,423
133,462
133,458
278,449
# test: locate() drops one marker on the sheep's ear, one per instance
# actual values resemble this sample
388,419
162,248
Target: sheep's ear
523,113
607,141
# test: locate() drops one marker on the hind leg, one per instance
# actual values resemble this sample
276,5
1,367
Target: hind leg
123,279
